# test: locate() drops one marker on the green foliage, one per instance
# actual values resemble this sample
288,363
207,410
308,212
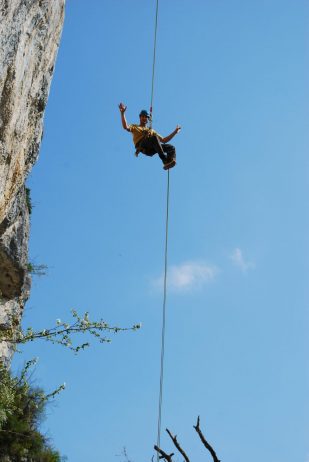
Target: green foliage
22,409
7,396
21,405
28,200
63,332
37,270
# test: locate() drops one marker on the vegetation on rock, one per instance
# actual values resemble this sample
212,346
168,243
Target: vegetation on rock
62,333
22,409
28,200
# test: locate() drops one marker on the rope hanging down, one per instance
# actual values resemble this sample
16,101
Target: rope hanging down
166,243
163,315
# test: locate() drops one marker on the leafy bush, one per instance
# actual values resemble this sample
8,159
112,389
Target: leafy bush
22,409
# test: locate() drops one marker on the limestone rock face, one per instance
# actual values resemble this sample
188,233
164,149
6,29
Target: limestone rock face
30,31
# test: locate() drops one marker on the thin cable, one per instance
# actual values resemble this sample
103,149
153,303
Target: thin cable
154,62
166,241
163,315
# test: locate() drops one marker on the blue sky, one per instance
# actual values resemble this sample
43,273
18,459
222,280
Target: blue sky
234,74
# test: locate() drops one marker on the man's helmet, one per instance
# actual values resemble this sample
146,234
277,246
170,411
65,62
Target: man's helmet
144,113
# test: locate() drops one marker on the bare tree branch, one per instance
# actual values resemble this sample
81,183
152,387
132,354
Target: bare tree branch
203,439
124,454
174,439
163,455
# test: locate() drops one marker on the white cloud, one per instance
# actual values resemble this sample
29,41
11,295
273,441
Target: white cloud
239,260
187,276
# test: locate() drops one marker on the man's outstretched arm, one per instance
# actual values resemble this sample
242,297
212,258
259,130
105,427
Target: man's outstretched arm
122,108
169,137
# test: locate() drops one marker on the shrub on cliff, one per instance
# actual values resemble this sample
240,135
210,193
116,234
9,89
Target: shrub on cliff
22,408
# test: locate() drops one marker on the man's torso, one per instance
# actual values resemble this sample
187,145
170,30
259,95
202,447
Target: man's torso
139,132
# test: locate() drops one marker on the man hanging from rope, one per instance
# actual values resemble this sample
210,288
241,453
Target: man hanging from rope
148,141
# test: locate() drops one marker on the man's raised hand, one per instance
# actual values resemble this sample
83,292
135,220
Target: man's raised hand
122,107
177,129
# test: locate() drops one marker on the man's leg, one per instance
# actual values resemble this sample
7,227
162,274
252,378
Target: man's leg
170,150
151,145
155,144
145,147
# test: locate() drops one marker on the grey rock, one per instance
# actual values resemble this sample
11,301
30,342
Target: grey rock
30,32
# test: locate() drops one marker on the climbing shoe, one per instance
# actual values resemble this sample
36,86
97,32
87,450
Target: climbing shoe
169,164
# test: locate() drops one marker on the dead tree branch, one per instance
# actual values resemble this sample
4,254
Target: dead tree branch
174,439
203,439
163,455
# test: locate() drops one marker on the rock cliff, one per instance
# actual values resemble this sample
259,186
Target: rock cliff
30,31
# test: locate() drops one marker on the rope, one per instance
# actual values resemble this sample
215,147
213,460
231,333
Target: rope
163,316
166,243
154,62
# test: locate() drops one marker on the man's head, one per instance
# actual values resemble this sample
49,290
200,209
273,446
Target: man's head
144,117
